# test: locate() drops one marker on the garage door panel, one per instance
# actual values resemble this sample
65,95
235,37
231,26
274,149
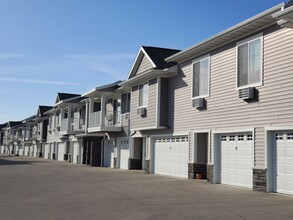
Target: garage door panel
236,159
171,156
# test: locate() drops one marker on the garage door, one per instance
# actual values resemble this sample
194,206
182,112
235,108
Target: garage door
46,151
60,149
171,156
237,159
284,162
35,150
124,152
109,153
75,152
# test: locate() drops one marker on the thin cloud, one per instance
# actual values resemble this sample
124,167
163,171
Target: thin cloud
107,63
6,79
11,56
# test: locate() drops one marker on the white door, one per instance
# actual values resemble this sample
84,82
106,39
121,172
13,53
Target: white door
283,163
171,156
60,150
123,153
35,150
237,159
109,153
46,151
75,154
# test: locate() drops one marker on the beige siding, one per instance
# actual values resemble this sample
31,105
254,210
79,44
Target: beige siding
224,109
144,65
150,119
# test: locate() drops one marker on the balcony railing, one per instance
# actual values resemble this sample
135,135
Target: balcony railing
95,119
76,124
111,119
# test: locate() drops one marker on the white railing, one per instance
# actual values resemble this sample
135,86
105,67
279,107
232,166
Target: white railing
95,119
77,124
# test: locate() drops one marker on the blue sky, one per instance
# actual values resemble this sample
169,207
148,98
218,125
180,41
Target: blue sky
50,46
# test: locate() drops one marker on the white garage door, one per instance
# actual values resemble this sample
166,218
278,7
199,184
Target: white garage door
171,156
75,152
35,150
237,159
109,153
61,150
284,163
124,153
26,150
46,151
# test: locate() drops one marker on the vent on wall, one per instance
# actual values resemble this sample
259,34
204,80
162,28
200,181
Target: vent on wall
141,111
247,93
198,103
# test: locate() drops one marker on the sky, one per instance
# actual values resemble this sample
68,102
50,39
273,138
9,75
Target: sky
72,46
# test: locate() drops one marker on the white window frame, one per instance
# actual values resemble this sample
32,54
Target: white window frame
240,43
138,104
209,71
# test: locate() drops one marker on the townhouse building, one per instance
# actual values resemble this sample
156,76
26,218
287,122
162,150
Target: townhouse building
225,112
65,120
2,147
105,140
27,133
39,135
219,110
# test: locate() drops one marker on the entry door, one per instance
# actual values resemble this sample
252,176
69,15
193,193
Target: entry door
124,153
171,156
237,159
283,162
109,153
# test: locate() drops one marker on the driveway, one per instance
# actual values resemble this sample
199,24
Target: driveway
32,188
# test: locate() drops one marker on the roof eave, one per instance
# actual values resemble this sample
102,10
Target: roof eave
178,57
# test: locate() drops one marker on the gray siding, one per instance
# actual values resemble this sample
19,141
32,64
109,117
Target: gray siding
164,103
150,119
224,109
144,65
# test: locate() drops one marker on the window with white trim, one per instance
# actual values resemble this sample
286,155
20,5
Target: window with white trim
143,95
249,62
200,77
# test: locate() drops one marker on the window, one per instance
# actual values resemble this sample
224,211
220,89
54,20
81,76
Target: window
117,111
201,72
143,95
249,62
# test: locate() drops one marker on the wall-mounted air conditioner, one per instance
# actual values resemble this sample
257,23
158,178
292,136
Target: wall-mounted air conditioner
141,111
247,93
198,103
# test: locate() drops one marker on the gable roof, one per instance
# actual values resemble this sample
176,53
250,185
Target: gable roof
156,56
64,96
42,109
3,125
236,32
31,118
104,88
13,124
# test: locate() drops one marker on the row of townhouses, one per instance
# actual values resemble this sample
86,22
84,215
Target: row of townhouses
220,110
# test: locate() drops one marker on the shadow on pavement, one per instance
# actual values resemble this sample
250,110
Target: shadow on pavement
6,162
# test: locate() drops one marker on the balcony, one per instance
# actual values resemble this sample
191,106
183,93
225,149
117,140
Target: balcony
74,126
110,122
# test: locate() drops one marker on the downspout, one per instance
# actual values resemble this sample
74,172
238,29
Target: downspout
103,145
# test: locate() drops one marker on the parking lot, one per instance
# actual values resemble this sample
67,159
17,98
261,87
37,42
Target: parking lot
33,188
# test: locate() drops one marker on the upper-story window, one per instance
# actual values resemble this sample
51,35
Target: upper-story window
200,77
143,95
249,62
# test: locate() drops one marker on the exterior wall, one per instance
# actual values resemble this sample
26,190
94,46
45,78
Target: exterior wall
149,120
224,109
164,102
144,65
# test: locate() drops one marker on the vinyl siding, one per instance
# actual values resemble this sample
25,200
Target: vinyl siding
144,65
150,119
224,109
164,102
